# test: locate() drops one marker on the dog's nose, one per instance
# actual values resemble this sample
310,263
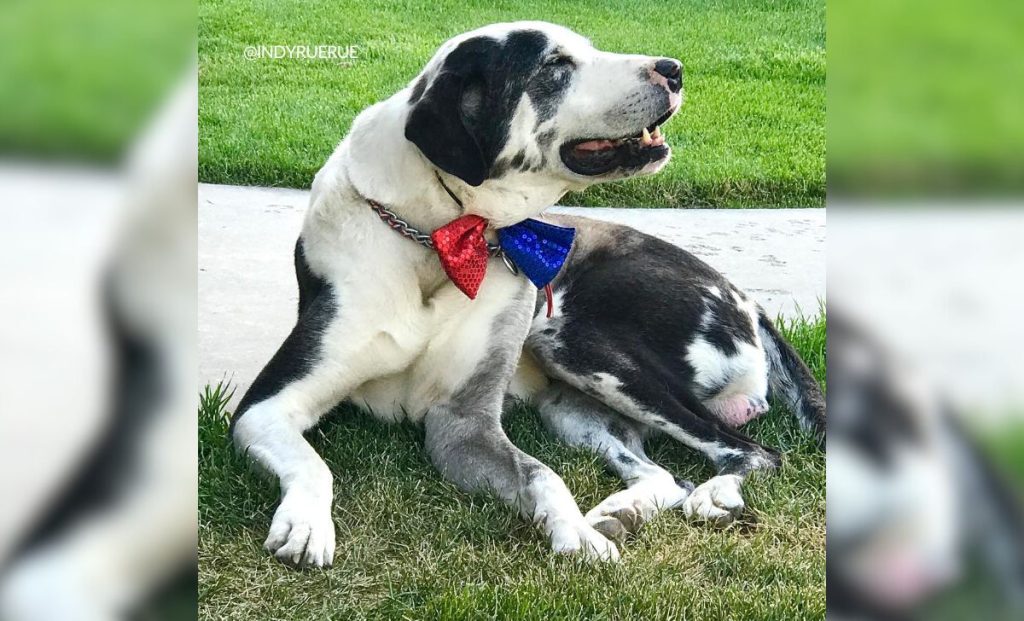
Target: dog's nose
672,70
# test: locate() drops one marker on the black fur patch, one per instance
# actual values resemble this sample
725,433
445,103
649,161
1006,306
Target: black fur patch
729,323
417,90
299,352
548,88
499,169
874,416
517,160
626,459
544,139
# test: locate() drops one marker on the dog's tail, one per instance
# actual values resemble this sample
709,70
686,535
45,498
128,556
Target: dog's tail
790,381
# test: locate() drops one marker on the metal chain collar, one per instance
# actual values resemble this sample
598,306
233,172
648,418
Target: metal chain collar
406,230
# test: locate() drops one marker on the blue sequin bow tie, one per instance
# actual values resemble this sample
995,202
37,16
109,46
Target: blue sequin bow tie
536,248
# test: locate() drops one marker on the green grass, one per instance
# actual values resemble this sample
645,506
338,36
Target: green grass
411,546
752,132
81,79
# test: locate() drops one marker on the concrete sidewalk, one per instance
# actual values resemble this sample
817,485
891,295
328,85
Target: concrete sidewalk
247,293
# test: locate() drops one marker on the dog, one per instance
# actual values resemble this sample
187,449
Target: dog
638,336
902,467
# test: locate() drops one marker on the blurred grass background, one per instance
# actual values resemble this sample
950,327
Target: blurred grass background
925,98
80,78
750,134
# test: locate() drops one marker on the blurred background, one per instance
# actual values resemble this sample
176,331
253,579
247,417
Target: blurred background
97,309
926,399
925,138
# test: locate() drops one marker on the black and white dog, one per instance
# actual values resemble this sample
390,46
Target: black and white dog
644,337
916,511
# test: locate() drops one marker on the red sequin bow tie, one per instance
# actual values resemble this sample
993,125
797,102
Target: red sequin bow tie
537,248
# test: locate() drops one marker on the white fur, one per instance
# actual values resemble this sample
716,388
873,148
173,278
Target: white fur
643,500
743,373
717,500
746,371
560,519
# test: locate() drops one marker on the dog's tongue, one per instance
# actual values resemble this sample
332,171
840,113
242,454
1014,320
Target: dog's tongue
595,145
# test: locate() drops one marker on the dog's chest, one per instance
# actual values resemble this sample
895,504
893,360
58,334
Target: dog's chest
436,348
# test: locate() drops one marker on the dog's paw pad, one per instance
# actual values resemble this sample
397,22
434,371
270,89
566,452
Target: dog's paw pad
632,518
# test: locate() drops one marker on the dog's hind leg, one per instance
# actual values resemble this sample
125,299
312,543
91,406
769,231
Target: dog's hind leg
654,397
585,422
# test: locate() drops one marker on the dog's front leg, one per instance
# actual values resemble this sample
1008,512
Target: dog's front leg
302,531
466,442
326,355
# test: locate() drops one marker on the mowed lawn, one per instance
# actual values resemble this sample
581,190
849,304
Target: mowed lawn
752,131
412,546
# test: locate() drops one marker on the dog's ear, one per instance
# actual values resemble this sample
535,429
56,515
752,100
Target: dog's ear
441,123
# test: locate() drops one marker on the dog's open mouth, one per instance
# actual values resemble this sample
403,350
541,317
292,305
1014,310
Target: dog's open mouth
597,156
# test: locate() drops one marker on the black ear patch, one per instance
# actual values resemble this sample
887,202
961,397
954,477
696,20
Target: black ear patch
417,91
437,124
461,121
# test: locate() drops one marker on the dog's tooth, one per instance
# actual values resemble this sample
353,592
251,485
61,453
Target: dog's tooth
657,132
646,136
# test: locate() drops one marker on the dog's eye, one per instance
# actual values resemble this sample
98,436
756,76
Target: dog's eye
558,60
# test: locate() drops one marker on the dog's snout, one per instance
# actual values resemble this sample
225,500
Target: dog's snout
672,70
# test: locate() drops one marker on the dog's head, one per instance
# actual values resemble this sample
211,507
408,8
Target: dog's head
532,98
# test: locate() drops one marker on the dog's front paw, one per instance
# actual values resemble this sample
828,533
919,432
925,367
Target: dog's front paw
302,533
624,512
583,540
717,500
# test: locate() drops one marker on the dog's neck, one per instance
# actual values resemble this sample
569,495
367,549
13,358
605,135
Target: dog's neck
384,166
